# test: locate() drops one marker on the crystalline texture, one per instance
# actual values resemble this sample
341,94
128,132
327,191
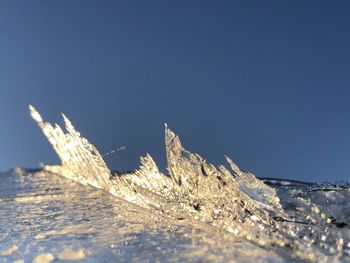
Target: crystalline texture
235,201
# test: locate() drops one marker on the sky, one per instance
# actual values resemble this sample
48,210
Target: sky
264,82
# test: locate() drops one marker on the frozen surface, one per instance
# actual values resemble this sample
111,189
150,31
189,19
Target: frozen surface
42,213
80,210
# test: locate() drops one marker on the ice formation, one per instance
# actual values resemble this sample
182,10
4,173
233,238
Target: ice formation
295,223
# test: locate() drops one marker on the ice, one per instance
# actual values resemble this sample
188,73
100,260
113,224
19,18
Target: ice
271,219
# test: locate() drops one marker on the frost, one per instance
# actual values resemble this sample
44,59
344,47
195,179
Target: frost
288,217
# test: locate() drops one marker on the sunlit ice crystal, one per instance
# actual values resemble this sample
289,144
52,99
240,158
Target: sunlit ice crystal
295,224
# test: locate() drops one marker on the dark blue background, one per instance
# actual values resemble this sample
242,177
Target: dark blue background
266,82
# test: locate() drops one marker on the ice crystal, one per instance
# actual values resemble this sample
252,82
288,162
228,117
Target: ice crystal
304,222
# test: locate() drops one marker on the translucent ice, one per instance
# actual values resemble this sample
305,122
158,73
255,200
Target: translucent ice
295,220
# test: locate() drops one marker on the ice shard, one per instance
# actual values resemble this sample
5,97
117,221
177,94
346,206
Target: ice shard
204,187
81,161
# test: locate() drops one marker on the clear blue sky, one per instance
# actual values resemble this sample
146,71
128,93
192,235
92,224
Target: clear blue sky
265,82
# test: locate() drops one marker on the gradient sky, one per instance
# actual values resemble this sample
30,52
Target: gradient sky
265,82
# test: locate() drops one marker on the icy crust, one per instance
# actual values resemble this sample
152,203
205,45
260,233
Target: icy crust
232,200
